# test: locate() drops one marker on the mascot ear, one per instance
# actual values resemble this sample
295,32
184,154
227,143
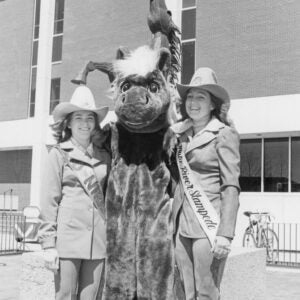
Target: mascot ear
106,68
122,52
164,59
90,66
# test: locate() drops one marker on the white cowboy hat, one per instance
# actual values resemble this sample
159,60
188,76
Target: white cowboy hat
205,79
82,99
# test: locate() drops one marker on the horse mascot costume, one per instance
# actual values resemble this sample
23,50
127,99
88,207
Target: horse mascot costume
140,254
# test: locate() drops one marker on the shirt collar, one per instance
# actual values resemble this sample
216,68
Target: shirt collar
67,145
213,125
87,151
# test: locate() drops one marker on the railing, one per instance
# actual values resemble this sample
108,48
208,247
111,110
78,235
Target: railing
12,232
288,244
9,201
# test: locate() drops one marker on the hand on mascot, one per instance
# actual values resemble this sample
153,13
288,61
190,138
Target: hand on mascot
51,259
221,247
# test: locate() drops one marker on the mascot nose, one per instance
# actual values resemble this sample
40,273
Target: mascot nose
137,96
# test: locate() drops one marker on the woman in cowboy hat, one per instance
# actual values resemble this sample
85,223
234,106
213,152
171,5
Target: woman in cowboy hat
208,163
72,231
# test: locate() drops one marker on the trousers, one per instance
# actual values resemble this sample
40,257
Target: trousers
200,272
79,279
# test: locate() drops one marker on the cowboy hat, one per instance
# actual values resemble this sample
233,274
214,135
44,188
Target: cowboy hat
82,99
205,79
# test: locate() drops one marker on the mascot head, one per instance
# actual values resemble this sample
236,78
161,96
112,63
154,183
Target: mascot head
140,90
140,79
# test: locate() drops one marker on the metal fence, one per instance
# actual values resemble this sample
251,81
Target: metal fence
12,232
288,244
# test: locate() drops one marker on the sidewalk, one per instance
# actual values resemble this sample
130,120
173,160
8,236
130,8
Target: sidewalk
282,283
10,270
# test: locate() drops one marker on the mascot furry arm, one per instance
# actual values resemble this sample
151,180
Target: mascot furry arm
140,254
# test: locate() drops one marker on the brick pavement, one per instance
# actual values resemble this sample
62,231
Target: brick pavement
282,283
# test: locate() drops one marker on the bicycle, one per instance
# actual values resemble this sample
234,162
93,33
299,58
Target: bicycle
259,235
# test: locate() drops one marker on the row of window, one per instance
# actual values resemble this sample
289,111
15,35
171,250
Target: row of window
270,165
188,47
15,166
56,53
267,165
188,39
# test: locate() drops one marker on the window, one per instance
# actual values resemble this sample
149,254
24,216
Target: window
34,57
59,17
58,31
188,61
37,19
57,48
55,93
188,36
295,164
276,165
15,166
250,179
35,47
32,91
56,53
270,165
188,3
188,24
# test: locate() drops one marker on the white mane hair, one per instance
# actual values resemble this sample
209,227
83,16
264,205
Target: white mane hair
139,62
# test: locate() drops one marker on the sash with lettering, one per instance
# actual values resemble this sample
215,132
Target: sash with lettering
88,180
202,207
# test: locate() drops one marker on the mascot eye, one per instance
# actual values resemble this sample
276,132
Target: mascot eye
153,87
125,87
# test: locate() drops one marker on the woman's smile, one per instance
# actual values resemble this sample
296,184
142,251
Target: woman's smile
82,124
198,104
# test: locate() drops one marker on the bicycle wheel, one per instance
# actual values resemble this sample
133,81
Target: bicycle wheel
271,243
249,240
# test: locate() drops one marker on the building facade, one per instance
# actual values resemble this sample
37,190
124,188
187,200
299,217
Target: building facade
252,45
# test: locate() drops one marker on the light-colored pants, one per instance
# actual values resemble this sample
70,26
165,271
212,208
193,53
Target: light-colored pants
79,279
200,272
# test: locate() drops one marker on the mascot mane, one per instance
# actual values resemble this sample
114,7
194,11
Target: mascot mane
136,64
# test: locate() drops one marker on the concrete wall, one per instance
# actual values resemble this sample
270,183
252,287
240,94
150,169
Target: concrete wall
267,116
252,45
16,41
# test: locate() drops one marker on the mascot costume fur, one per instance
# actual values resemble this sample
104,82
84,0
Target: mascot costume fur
140,254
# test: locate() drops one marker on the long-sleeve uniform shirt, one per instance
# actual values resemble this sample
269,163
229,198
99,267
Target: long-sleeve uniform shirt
213,156
70,222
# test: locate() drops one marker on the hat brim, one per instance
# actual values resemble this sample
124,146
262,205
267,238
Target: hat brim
215,89
63,109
